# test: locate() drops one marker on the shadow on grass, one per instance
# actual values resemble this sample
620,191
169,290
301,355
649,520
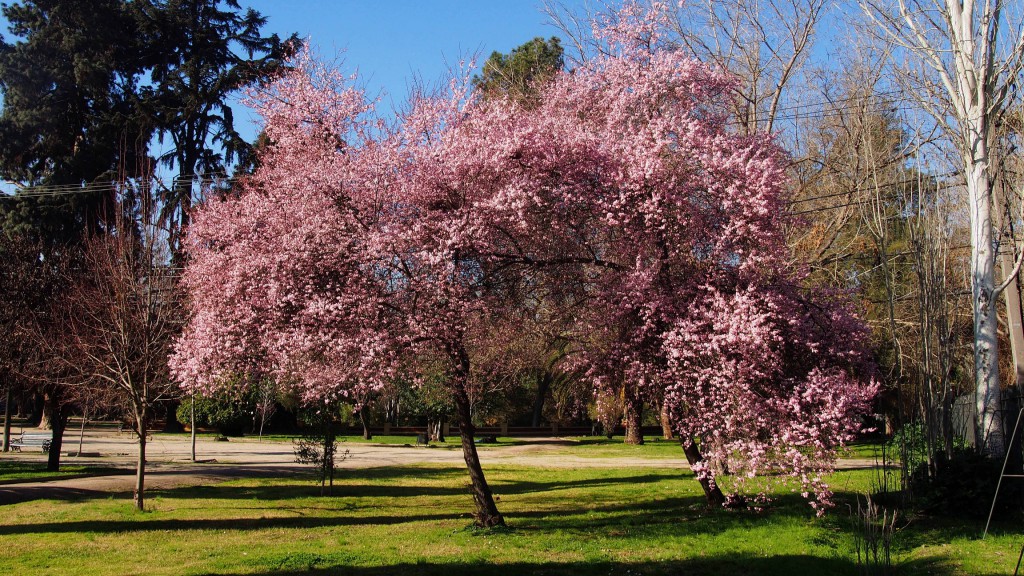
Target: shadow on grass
735,564
357,484
666,517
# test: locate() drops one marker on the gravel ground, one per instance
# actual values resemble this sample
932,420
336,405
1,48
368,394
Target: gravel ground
169,463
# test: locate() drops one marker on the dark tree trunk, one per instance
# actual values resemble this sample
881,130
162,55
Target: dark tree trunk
365,422
35,417
171,423
634,418
58,421
543,385
140,464
487,514
713,493
7,419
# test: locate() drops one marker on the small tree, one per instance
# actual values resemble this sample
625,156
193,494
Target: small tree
119,319
319,443
265,398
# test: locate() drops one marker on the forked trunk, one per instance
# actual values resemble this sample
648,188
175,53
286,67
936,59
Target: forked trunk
712,492
436,429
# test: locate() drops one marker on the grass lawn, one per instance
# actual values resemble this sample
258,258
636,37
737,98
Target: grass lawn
415,520
15,470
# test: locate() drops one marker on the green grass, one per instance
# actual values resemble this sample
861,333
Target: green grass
869,450
415,520
15,470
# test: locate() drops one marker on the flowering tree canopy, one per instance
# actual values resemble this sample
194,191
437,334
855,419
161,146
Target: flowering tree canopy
618,202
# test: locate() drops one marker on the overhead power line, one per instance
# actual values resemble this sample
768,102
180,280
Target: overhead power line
48,190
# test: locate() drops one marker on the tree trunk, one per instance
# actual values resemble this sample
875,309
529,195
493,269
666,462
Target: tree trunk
666,423
988,425
35,417
140,465
634,418
436,430
171,423
58,421
7,419
487,514
543,385
46,412
192,425
712,493
366,425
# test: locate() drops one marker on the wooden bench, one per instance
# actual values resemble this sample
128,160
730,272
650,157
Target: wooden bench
40,439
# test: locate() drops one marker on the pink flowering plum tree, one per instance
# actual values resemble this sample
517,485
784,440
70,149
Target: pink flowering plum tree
617,203
625,182
766,379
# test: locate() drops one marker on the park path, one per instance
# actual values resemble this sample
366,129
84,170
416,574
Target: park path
170,466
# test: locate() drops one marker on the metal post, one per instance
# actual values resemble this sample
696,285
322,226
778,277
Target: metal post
193,425
1002,473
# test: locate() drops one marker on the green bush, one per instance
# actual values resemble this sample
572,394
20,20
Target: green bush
229,413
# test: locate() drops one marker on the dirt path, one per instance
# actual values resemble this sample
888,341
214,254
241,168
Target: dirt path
170,464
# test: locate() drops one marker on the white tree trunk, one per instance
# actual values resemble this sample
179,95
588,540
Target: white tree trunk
962,77
988,424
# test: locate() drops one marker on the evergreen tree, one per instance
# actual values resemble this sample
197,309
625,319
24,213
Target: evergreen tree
69,83
518,73
202,52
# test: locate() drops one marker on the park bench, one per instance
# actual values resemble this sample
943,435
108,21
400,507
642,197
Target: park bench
40,439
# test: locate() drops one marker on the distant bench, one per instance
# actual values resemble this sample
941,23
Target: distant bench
39,439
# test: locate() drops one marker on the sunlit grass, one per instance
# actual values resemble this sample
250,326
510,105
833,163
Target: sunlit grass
14,469
416,520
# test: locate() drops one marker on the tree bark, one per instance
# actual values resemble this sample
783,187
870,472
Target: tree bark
58,421
712,493
436,429
364,421
988,425
666,423
140,465
81,434
192,424
35,418
487,514
46,412
7,419
543,385
634,418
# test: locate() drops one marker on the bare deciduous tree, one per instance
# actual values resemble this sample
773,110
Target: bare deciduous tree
120,320
962,62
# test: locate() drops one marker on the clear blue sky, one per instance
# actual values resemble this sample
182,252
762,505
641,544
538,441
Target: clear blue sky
389,42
